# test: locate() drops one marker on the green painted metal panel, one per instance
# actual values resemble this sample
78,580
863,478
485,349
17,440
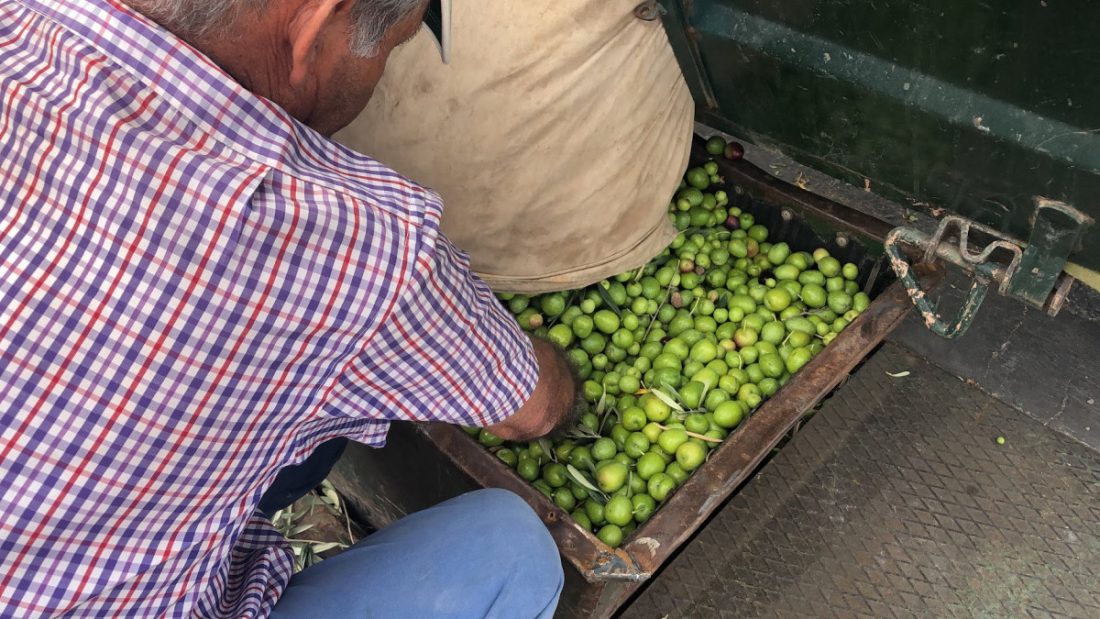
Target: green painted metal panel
973,106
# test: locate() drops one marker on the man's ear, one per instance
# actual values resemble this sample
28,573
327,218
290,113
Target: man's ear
305,30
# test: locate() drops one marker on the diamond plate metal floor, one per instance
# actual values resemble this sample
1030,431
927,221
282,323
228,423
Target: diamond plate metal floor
896,501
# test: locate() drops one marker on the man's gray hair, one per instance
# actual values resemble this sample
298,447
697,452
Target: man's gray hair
371,18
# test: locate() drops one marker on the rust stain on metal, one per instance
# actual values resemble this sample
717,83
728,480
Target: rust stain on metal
841,217
1058,298
613,567
648,542
930,319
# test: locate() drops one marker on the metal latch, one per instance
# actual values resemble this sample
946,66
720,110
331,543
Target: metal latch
1031,272
649,10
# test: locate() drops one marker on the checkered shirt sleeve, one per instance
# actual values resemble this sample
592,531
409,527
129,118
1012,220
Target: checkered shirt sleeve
195,291
448,352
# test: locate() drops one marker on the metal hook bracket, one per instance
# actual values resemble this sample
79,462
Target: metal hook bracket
1029,272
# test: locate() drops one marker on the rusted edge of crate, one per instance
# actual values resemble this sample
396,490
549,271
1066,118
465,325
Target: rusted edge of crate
726,468
772,189
593,559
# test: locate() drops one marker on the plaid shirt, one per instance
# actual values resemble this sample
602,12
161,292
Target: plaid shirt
195,291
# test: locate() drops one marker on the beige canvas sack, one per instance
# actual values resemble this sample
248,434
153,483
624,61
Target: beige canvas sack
556,135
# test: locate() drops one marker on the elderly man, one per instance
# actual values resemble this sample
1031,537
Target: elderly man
199,288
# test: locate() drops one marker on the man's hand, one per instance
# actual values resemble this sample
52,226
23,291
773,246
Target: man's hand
553,403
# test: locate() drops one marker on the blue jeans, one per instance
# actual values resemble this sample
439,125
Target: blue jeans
482,554
295,481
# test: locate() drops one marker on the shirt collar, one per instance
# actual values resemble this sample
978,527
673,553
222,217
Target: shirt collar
177,72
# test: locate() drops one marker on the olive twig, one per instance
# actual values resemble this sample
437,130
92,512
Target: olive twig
702,437
653,319
694,307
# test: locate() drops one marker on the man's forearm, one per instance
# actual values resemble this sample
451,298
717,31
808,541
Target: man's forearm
554,403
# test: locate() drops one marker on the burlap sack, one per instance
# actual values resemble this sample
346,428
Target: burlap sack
556,136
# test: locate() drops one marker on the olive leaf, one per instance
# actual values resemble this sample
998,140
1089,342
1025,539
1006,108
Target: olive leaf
330,495
548,448
580,433
608,301
300,529
582,480
605,416
667,399
598,497
660,261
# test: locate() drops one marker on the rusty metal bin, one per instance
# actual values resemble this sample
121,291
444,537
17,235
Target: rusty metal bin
422,465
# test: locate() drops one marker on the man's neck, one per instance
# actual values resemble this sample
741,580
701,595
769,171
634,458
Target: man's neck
248,52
